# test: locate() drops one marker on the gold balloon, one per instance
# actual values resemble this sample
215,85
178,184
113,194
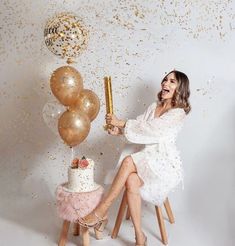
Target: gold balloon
66,35
73,126
66,83
89,103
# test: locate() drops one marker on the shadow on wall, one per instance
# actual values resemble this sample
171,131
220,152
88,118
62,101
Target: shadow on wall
210,190
143,93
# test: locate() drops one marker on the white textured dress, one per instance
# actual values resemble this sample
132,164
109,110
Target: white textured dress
152,146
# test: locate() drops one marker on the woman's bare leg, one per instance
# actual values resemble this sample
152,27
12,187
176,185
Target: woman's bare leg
133,184
127,167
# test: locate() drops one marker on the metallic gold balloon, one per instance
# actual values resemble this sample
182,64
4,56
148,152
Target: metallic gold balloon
66,83
73,126
66,35
89,103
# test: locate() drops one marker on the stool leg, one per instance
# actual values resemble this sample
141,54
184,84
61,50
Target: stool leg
76,229
64,233
128,215
169,211
161,224
85,236
120,215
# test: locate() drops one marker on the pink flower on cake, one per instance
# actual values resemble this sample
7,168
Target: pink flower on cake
75,163
83,163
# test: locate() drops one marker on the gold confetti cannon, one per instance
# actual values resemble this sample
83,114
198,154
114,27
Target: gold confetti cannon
108,97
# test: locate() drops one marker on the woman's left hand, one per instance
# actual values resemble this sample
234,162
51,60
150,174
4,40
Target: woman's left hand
115,131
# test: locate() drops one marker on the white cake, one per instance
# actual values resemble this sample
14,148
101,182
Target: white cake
82,179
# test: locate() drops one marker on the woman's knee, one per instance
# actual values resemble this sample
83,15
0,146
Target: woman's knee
127,162
132,182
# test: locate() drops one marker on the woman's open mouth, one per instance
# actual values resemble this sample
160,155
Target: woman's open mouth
165,91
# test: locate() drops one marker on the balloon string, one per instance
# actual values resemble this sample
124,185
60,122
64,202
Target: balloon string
72,155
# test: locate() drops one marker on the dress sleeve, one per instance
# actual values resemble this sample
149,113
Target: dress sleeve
139,118
152,131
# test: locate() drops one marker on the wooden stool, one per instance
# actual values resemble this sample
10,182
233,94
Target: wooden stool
160,219
76,232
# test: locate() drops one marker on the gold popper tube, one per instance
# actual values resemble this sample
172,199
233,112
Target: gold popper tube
108,98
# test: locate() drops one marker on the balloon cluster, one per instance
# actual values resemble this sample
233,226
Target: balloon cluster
83,105
66,36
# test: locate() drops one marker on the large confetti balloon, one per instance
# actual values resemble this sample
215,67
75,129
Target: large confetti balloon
66,35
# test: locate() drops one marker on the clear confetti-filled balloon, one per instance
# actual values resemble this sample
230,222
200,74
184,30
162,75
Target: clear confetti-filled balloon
51,113
65,35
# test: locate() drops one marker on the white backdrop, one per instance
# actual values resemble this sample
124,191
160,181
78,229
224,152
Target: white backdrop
136,42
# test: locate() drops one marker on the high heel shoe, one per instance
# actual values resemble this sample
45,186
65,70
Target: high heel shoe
100,227
99,224
144,243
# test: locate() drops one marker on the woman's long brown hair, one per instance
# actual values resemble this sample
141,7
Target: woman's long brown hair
181,96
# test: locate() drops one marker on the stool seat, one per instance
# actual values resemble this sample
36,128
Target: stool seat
124,208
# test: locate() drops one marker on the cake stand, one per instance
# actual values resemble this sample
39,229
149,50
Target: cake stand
74,205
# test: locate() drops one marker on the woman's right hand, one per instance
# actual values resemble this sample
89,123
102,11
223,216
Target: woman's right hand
115,131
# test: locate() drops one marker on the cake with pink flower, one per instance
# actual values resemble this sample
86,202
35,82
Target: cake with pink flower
81,176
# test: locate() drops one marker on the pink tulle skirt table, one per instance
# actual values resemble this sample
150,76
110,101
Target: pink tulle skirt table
74,205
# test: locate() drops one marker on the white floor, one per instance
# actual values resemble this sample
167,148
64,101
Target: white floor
37,224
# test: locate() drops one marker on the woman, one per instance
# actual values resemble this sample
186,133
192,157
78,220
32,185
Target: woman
156,169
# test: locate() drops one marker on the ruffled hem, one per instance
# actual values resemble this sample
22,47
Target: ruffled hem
155,188
74,205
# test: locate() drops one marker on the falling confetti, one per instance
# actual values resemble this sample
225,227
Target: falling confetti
123,36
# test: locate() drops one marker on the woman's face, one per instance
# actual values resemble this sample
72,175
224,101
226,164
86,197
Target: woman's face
169,86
